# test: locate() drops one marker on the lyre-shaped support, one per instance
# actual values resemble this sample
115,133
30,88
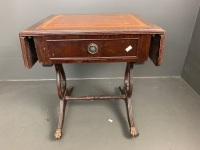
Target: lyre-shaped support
62,92
127,90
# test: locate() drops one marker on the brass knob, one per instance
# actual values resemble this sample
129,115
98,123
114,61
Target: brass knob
92,48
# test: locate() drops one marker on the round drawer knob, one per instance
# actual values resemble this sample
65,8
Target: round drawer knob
92,48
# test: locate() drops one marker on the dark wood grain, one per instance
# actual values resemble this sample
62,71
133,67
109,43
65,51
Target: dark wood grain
64,39
156,49
110,48
28,51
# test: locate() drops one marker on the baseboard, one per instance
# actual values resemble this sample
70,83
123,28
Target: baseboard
161,77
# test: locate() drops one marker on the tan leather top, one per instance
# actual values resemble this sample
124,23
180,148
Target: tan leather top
92,21
93,24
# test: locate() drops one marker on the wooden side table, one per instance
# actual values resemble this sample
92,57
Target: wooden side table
99,38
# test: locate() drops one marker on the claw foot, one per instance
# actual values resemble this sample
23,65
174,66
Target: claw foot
133,131
58,134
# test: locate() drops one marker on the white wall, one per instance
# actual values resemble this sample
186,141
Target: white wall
177,17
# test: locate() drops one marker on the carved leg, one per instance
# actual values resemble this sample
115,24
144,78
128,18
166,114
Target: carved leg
127,90
58,132
62,92
133,130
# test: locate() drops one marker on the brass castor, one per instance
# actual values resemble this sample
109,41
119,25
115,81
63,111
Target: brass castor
133,131
58,134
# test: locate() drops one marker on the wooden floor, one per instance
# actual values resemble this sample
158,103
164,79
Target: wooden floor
166,111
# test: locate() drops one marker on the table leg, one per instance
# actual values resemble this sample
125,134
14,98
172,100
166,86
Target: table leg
133,130
127,90
62,92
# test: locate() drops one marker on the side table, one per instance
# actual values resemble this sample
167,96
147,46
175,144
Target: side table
92,38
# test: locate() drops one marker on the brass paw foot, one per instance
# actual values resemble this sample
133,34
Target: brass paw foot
58,134
133,131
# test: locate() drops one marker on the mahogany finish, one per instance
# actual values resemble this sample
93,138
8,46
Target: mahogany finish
63,38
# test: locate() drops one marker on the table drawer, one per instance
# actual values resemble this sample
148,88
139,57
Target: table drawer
61,48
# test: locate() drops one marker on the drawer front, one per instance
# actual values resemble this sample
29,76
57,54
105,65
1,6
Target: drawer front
61,48
94,48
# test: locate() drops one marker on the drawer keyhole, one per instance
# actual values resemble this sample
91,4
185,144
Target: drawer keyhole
92,48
